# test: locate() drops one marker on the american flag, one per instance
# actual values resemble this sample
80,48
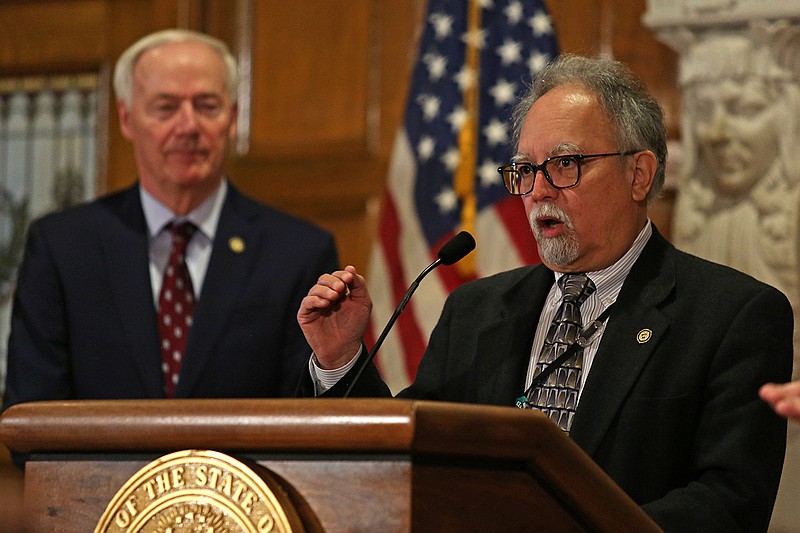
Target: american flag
474,60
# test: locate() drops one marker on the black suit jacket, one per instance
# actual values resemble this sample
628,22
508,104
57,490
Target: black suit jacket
675,420
84,320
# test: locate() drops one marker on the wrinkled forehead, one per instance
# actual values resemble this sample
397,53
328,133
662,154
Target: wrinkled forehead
566,119
183,66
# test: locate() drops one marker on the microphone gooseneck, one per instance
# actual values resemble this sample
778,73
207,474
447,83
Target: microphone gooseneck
451,252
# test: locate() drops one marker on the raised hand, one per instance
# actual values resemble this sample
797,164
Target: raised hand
334,316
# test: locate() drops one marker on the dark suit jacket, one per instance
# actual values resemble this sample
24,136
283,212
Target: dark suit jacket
84,320
676,421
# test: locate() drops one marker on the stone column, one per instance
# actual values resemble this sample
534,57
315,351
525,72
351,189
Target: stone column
738,199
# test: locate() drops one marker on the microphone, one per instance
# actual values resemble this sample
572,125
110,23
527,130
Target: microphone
453,251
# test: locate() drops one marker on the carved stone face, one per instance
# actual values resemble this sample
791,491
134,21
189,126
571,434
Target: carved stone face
737,133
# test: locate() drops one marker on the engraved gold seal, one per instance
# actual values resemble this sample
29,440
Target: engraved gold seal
199,491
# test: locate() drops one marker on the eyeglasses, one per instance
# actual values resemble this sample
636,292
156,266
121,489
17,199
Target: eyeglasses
560,171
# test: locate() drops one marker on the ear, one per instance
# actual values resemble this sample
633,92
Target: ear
645,164
124,119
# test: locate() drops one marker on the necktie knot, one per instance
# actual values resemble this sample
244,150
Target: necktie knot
576,288
182,233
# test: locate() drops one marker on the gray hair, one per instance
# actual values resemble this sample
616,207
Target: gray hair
123,71
624,97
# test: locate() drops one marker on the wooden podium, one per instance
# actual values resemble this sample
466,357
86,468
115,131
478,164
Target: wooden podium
356,465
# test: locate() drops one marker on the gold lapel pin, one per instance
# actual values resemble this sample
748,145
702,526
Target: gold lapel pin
236,244
643,336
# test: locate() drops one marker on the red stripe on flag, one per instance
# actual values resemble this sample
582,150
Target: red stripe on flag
449,276
412,339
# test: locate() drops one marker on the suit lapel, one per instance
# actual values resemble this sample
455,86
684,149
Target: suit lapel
226,276
125,249
632,333
511,332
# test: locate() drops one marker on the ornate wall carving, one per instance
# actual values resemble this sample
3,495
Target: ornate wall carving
738,199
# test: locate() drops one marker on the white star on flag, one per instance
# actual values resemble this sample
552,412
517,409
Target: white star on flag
442,25
496,132
503,92
437,66
488,175
510,52
537,62
426,147
430,106
447,200
514,12
465,78
451,158
457,118
541,24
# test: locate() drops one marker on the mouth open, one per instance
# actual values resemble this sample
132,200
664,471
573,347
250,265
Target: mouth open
549,226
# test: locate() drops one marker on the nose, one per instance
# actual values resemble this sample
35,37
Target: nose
186,119
542,189
717,128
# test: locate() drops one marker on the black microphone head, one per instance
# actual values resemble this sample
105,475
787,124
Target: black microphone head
456,248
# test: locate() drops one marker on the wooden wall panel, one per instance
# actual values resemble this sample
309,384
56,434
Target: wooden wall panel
329,87
637,46
311,81
52,36
577,25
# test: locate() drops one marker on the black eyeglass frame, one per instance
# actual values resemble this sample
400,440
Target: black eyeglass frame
514,166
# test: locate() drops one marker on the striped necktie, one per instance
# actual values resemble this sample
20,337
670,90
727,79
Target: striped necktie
557,396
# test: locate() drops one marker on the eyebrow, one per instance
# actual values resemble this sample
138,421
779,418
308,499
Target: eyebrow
564,148
173,96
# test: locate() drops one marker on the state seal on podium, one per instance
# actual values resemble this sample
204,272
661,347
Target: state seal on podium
199,491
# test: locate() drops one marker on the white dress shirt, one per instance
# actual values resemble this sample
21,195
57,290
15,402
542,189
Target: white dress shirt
198,251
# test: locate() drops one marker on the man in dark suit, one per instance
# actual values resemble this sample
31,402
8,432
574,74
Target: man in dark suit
664,395
85,321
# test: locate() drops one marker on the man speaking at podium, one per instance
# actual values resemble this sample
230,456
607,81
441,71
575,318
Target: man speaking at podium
649,358
178,286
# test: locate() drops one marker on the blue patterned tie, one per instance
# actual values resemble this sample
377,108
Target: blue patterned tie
557,396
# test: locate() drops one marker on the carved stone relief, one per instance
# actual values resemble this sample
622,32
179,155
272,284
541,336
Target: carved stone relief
738,199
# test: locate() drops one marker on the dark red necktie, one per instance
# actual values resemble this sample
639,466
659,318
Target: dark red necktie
175,306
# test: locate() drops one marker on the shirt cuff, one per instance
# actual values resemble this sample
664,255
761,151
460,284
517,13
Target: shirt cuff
326,379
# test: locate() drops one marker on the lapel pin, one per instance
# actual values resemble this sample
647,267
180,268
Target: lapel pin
236,244
643,336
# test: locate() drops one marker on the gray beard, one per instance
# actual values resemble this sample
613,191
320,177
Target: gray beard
559,251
